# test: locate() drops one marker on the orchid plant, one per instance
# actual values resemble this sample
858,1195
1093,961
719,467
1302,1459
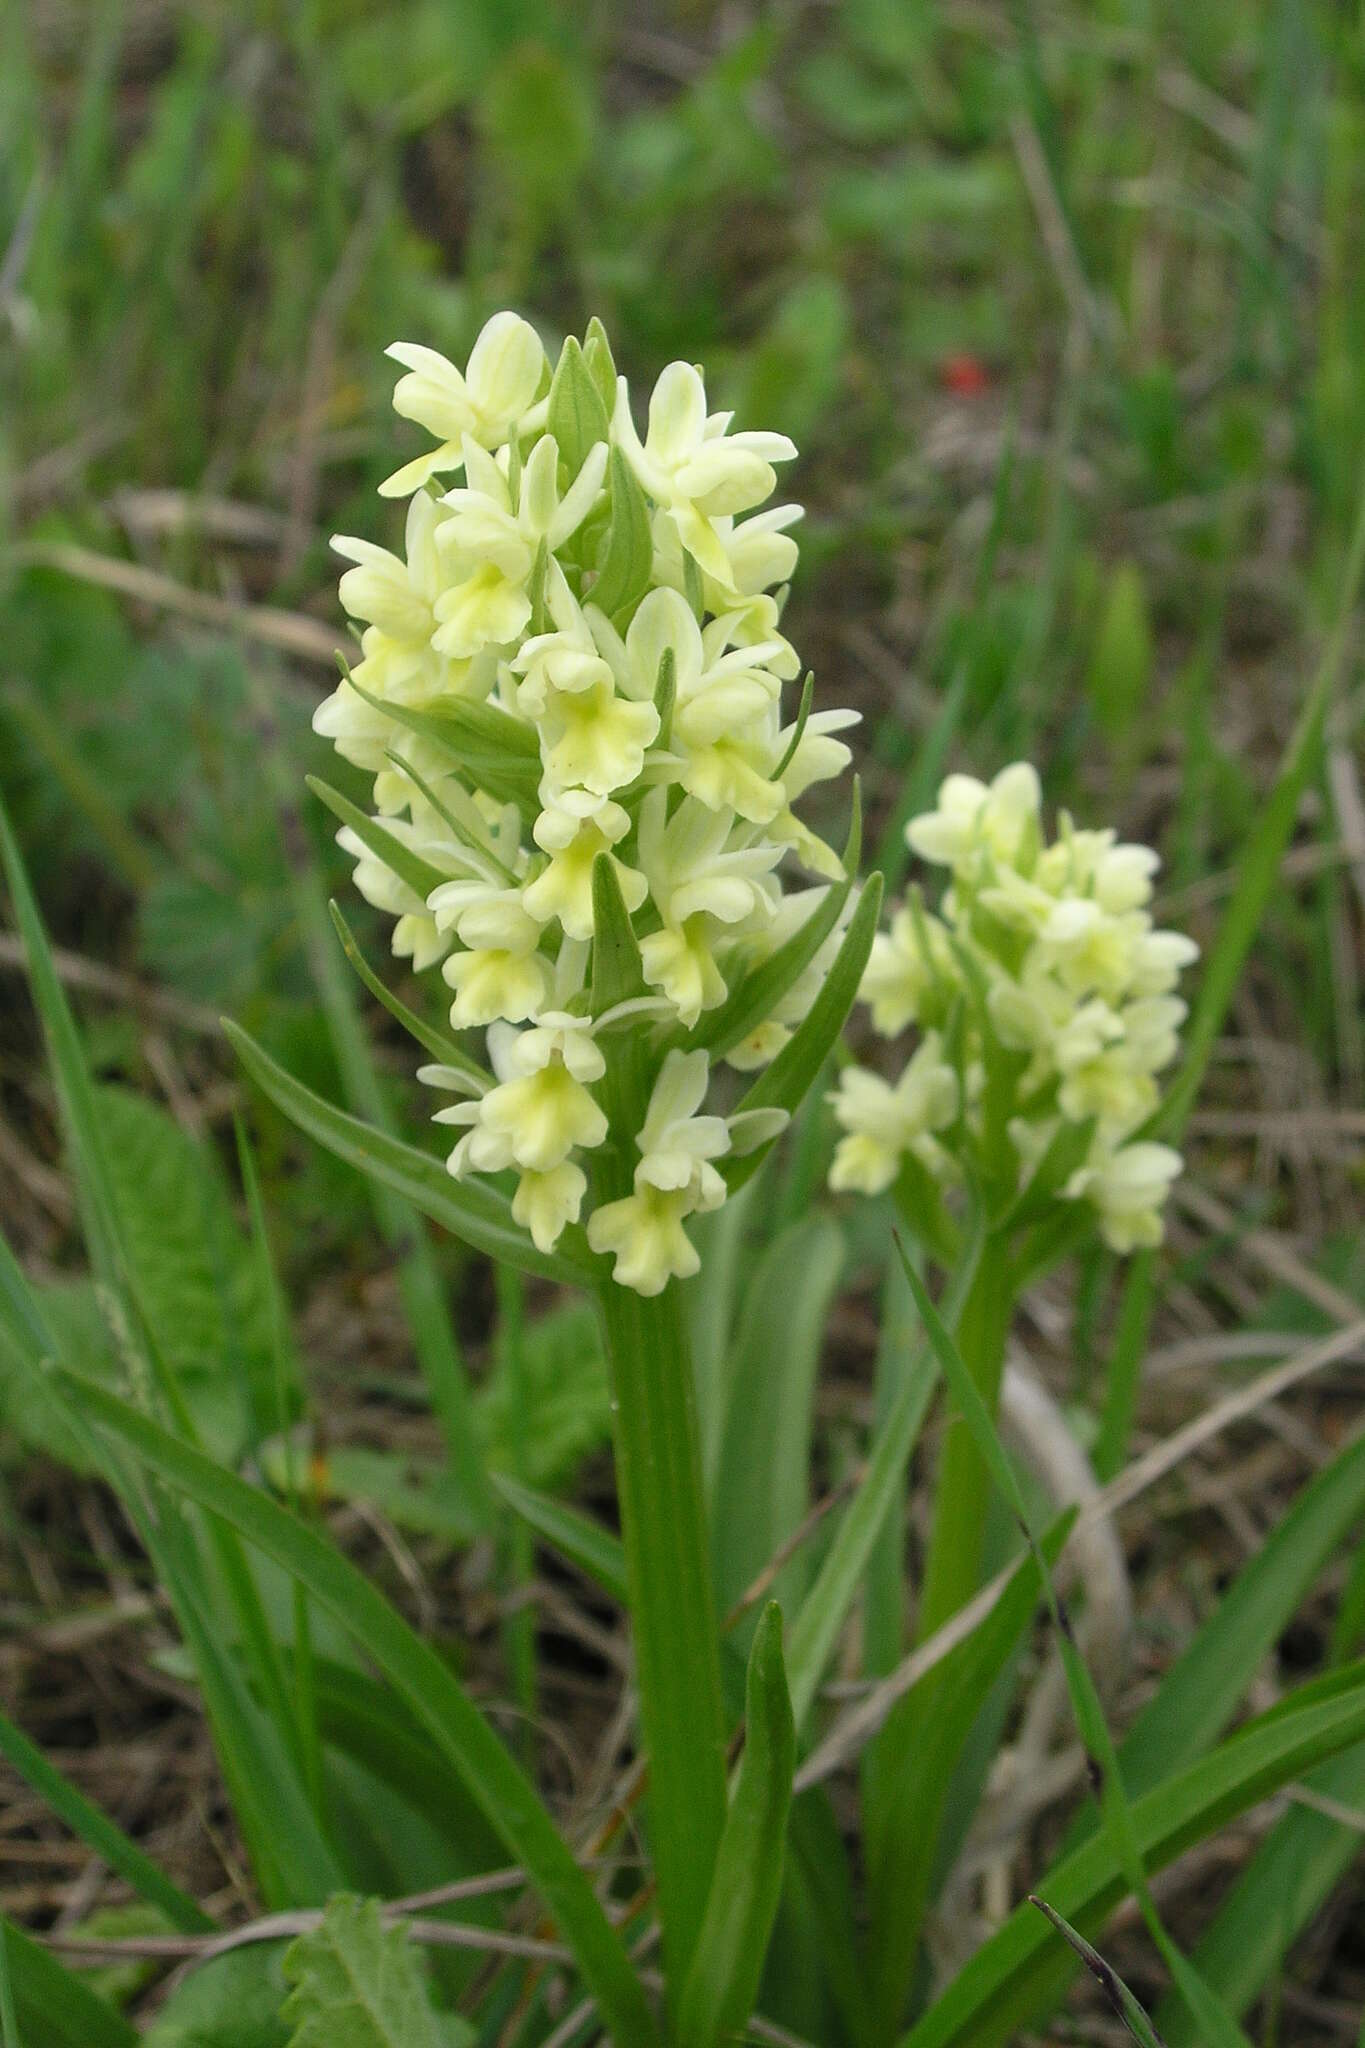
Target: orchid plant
586,737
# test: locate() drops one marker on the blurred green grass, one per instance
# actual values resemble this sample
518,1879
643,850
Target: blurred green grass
1064,304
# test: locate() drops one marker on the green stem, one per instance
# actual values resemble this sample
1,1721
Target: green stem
953,1565
1125,1364
677,1655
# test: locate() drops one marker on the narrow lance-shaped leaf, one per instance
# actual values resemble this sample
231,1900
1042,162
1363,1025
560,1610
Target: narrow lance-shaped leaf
722,1983
1018,1973
595,1551
496,751
9,2018
1278,1893
617,977
787,1081
1116,1993
759,992
99,1832
826,1606
422,1679
1217,2023
420,876
476,1213
438,1043
598,358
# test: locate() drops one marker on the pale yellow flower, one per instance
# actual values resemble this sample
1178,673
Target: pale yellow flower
485,402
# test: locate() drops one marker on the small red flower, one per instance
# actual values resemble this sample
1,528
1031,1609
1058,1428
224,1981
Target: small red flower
964,375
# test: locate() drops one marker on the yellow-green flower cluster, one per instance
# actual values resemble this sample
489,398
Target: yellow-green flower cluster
579,654
1044,999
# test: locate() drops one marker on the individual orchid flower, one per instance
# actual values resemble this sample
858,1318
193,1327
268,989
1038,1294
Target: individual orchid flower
694,471
496,535
485,403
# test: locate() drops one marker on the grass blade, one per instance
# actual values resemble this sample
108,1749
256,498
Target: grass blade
825,1608
9,2018
1278,1894
1217,2024
421,1678
1017,1973
100,1833
1116,1992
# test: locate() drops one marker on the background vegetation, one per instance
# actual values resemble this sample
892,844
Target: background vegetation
1065,307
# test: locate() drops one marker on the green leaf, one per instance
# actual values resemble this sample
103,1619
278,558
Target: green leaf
367,1722
53,2007
100,1833
722,1983
823,1611
785,1084
541,1421
72,1316
617,973
421,1285
672,1602
75,1092
1201,1691
442,1047
9,2018
762,1487
618,977
1276,1895
578,418
623,572
1017,1974
595,1551
1116,1992
197,1282
476,1213
757,994
421,1678
292,1858
232,2001
419,875
497,752
357,1984
1198,1697
1219,2026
